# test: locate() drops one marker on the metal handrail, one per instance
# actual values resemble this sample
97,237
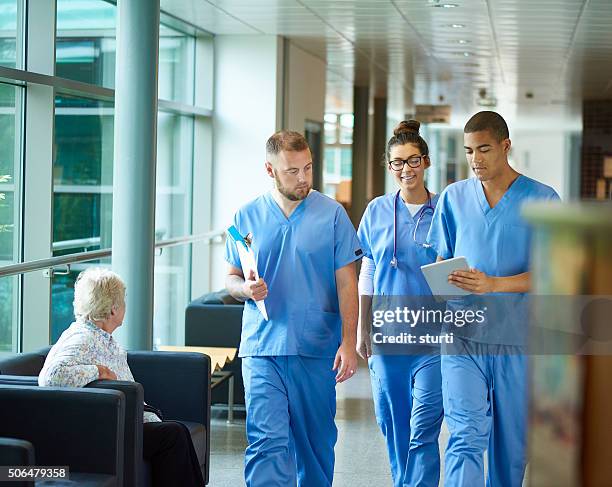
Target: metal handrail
19,77
76,243
41,264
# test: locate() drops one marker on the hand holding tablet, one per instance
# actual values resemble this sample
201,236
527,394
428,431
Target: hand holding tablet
436,275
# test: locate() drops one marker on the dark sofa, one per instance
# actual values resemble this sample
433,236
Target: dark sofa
215,320
176,383
56,426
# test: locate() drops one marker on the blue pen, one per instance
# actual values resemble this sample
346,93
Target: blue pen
236,237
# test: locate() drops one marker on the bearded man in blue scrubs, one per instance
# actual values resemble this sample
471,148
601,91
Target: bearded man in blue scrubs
306,248
484,377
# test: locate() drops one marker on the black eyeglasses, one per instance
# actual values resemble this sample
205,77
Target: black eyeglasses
398,164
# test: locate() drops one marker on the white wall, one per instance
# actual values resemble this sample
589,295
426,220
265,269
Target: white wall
304,88
262,84
247,109
542,155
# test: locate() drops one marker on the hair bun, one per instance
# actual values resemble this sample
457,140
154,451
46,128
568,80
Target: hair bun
407,126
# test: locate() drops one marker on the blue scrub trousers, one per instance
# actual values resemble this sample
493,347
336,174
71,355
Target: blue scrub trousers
291,405
407,392
485,405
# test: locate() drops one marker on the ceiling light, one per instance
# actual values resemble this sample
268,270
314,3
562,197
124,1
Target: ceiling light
463,41
457,26
485,100
437,4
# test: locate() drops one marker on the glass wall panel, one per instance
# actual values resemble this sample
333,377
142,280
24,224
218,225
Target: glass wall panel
10,182
171,295
86,48
338,164
176,66
172,219
82,190
10,34
85,42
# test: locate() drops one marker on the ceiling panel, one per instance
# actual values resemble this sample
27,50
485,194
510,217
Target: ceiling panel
416,52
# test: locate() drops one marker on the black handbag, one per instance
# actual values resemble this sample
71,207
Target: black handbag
151,409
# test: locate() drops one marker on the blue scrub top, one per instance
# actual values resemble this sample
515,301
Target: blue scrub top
376,237
403,287
495,241
297,257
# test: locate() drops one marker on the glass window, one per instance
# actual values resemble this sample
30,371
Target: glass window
82,190
9,27
172,219
346,128
10,150
330,133
338,156
85,42
171,295
86,49
173,175
176,65
346,164
330,162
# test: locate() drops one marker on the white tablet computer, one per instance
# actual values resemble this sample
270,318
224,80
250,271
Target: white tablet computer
436,275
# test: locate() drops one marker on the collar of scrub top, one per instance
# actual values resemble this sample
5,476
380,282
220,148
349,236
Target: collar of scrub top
426,207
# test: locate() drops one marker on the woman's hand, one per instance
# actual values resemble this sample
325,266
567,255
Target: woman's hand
364,344
104,373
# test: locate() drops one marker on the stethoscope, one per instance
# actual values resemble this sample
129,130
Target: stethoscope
426,208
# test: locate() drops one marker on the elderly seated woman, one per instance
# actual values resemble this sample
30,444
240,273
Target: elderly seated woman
86,351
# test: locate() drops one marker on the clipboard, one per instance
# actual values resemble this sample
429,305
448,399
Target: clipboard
248,261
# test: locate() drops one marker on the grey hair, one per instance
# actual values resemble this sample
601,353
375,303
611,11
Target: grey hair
96,292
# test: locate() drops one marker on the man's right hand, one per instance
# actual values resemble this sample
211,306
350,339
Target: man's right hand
105,373
255,289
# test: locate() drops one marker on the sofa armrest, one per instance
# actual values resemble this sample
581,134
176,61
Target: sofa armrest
16,452
77,427
19,380
133,444
178,383
24,363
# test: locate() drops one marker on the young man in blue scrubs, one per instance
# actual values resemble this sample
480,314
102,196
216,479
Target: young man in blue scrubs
306,248
484,380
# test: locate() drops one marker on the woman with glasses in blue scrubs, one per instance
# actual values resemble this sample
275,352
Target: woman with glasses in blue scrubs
406,386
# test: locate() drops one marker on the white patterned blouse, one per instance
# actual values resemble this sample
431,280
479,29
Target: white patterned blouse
73,360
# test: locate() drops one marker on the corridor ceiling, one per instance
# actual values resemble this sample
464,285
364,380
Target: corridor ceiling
537,59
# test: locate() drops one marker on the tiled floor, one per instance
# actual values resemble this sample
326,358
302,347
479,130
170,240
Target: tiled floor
361,457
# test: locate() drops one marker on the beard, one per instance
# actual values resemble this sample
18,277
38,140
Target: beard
292,195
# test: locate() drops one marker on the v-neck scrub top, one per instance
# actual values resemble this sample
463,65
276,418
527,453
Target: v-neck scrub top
494,240
376,235
297,257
